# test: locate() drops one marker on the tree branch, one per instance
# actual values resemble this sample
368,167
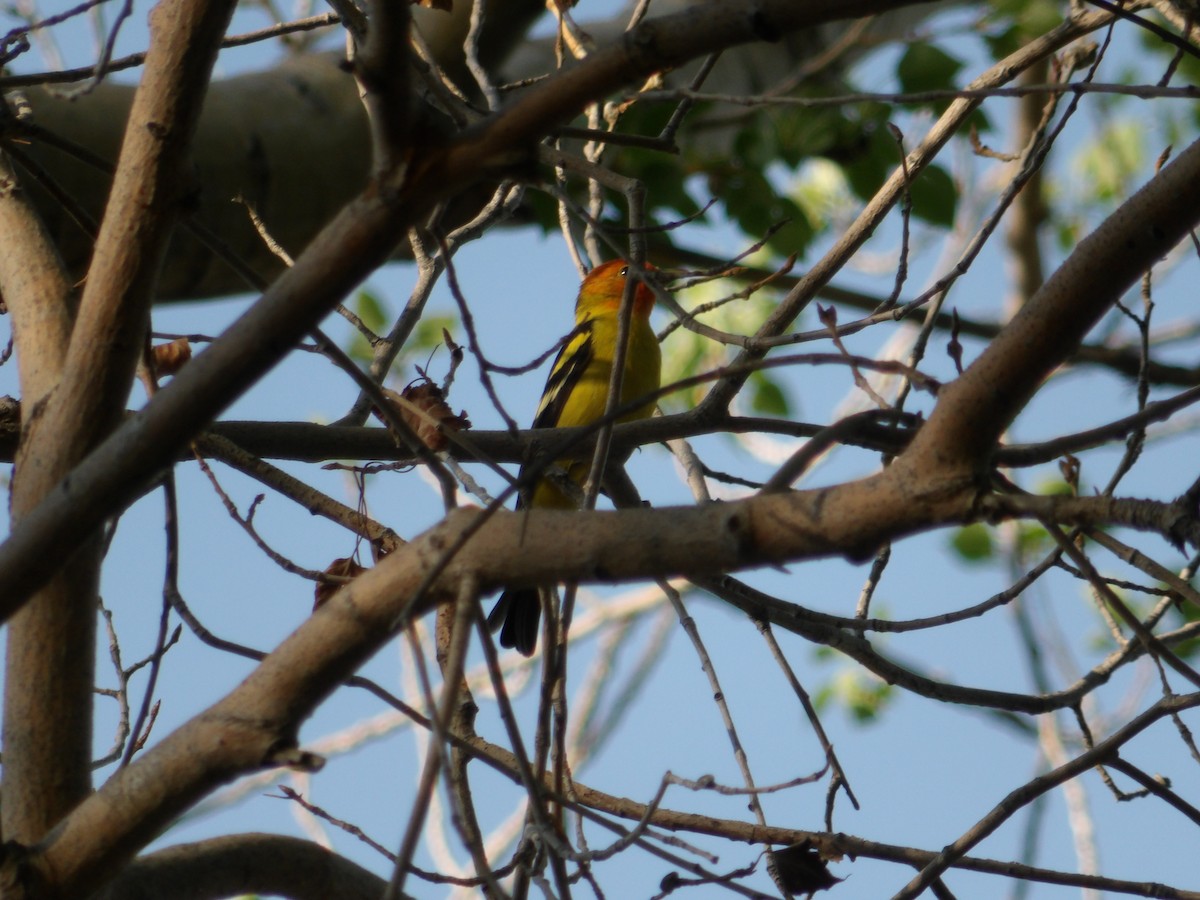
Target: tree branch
244,864
973,411
51,647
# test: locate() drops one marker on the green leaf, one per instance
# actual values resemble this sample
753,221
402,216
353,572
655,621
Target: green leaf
369,308
877,157
685,353
420,347
934,196
863,697
1033,539
1055,487
1068,231
373,313
822,192
973,543
753,203
1188,613
767,397
1110,165
666,184
1012,23
925,67
543,209
428,333
1003,41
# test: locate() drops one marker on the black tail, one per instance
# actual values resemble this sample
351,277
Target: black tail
520,611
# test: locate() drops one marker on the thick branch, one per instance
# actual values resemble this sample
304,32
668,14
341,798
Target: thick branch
49,660
974,410
256,724
244,863
35,288
292,141
49,668
310,442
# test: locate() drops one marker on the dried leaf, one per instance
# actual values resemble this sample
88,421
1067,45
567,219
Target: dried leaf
169,358
456,352
342,568
422,407
1070,467
828,316
954,346
456,358
801,869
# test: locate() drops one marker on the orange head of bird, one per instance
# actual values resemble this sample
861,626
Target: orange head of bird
605,285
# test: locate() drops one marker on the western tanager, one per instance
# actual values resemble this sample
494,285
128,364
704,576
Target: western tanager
576,393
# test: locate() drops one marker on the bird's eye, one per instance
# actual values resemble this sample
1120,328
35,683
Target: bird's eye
624,271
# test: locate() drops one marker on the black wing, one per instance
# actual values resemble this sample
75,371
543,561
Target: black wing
570,364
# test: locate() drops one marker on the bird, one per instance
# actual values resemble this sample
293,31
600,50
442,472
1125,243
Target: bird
576,394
